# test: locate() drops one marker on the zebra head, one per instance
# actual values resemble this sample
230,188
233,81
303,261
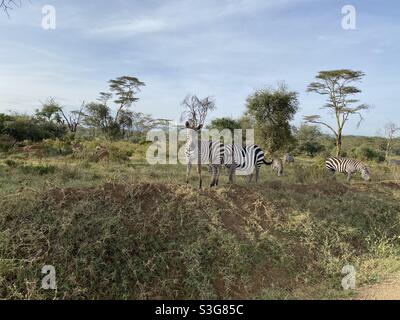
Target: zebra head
192,134
365,173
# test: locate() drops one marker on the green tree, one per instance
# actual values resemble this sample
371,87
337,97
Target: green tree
225,123
338,86
99,114
125,89
308,140
271,111
49,111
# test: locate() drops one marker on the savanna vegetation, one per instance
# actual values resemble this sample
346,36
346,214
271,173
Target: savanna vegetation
77,193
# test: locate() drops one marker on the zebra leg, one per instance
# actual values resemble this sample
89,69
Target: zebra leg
200,177
213,170
188,169
257,174
218,174
348,176
232,172
249,178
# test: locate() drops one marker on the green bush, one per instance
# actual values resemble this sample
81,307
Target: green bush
29,128
310,173
365,152
6,142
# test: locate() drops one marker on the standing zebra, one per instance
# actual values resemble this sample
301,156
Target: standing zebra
347,166
211,153
288,158
277,165
244,159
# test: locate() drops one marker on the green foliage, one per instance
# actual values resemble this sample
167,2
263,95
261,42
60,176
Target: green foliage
308,140
21,127
365,152
310,173
6,142
225,123
272,110
337,86
50,111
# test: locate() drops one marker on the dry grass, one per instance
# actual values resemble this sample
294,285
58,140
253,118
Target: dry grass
129,231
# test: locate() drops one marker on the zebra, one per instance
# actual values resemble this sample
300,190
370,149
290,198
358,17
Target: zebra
288,158
347,166
211,153
247,159
277,165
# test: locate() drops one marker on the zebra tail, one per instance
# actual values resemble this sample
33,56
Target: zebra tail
267,163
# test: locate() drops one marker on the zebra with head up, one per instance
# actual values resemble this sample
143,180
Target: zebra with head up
211,153
348,166
245,160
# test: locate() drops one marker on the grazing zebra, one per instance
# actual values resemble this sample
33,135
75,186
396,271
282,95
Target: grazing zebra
277,165
211,153
347,166
247,159
288,158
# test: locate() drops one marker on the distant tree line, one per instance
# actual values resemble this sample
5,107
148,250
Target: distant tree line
52,120
269,112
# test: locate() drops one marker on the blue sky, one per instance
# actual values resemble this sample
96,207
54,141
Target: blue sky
223,48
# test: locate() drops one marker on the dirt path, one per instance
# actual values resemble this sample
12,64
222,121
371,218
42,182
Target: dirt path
386,290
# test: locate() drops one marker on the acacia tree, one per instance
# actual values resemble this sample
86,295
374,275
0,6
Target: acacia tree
271,111
99,114
49,111
195,112
391,131
338,86
74,119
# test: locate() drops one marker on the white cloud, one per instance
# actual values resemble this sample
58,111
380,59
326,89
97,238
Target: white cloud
127,28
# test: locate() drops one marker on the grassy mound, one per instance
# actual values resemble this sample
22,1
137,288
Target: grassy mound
142,240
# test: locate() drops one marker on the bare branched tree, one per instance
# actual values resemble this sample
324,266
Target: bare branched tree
391,131
7,5
196,110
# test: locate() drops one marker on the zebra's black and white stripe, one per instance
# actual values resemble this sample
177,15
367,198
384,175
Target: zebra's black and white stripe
348,166
288,158
244,160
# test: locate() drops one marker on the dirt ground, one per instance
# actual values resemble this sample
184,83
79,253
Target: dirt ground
386,290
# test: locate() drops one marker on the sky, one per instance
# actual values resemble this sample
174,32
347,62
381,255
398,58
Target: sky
226,49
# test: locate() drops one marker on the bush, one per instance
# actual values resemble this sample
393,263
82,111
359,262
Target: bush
57,147
28,128
310,174
6,142
365,152
11,163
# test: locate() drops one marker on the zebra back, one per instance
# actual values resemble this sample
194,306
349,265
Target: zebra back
344,165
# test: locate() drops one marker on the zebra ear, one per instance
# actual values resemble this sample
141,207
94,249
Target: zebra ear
187,124
199,127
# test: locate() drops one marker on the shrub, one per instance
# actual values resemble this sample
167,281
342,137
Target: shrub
57,147
365,152
6,142
11,163
310,174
